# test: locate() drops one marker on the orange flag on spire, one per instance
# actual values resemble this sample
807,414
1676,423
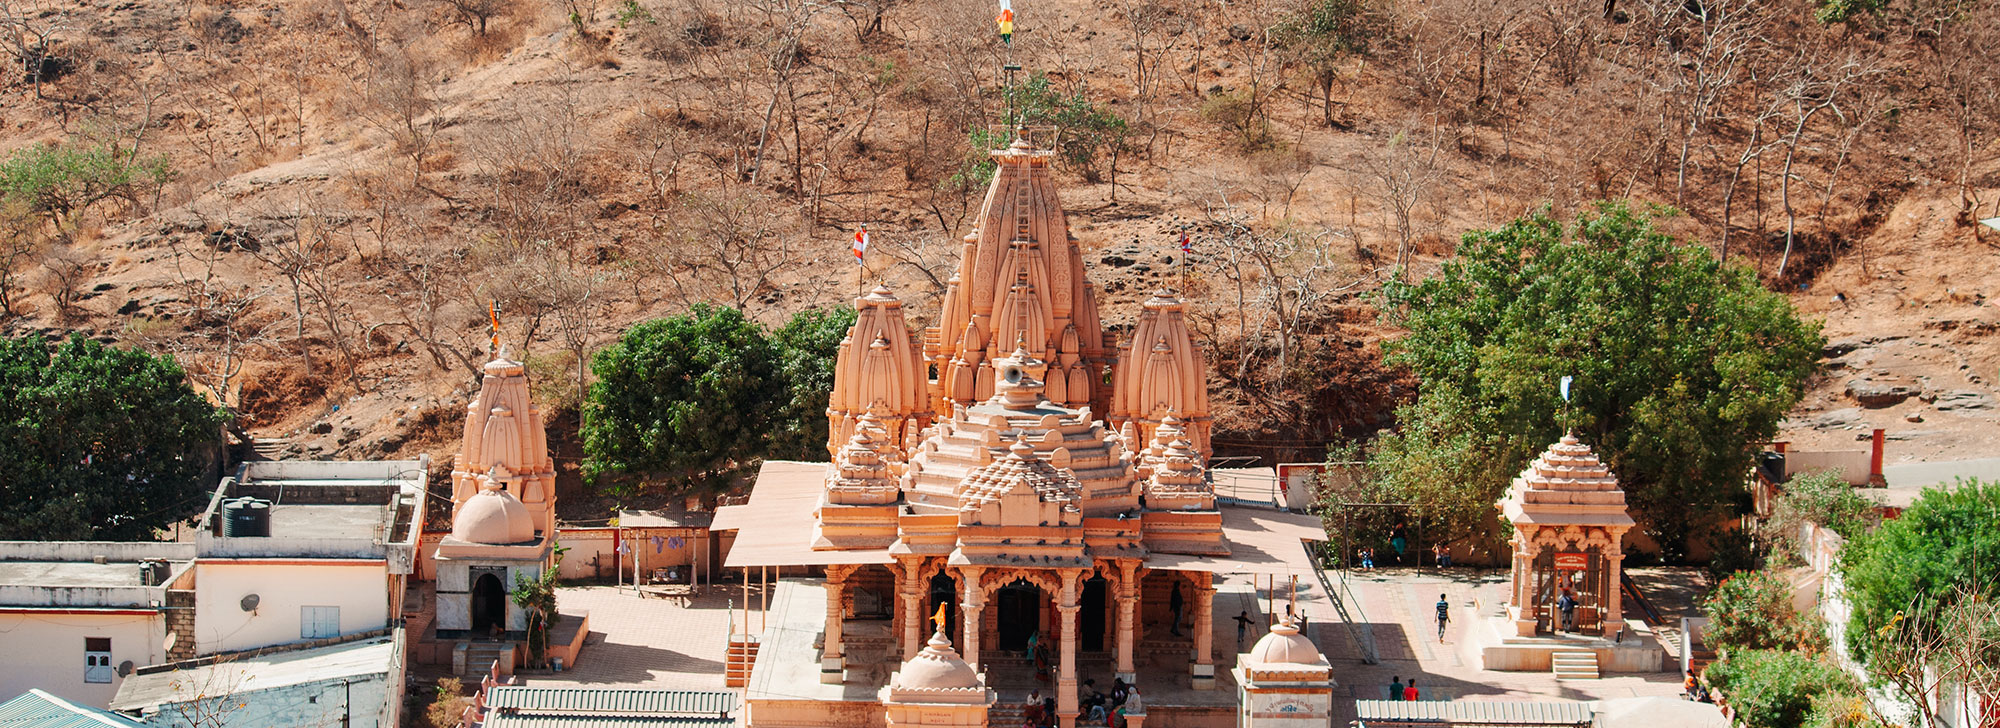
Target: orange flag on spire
493,311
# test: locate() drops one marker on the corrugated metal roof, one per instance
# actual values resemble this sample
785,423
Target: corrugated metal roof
37,709
496,719
1468,712
611,700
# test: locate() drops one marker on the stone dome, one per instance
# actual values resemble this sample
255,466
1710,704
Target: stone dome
493,516
937,667
1285,646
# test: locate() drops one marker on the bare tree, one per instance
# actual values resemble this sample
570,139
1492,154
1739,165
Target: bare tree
22,241
1404,170
307,252
216,320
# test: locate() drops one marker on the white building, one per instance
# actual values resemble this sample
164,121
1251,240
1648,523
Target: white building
76,617
354,684
341,543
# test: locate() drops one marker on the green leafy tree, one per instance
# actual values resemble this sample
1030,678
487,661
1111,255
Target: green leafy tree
807,347
1904,578
62,181
1682,365
1085,132
99,443
1752,610
1776,689
1321,36
683,402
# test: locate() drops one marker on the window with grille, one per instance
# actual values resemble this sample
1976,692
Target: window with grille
97,659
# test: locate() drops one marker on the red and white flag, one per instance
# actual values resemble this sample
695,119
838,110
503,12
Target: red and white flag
1187,246
860,243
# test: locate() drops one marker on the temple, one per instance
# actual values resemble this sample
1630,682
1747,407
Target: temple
1013,485
503,515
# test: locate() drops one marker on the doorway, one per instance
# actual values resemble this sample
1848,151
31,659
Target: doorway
944,594
489,605
1019,606
1092,627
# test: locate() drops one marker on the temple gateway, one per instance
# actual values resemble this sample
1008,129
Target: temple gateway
1012,489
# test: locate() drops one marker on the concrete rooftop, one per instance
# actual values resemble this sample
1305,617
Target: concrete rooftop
69,573
325,521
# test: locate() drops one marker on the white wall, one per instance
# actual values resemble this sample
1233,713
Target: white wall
45,650
312,705
358,588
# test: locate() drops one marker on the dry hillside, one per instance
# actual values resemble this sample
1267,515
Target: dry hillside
352,181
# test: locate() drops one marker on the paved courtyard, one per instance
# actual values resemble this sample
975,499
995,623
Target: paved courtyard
661,643
655,643
1397,605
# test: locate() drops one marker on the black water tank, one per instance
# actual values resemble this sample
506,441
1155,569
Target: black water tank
245,517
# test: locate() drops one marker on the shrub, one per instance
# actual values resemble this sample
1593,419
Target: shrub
62,181
1822,498
1773,689
1752,610
1902,577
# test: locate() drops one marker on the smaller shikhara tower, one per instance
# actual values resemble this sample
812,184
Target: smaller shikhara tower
503,510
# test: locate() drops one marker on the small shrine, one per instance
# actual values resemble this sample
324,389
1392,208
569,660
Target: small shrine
503,510
1569,523
936,688
1283,682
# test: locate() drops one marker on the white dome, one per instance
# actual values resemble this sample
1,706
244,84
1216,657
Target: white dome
493,516
1285,646
937,667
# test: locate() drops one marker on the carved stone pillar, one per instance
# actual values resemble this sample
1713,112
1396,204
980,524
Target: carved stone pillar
1204,632
1614,613
973,606
832,658
913,609
1128,631
1066,698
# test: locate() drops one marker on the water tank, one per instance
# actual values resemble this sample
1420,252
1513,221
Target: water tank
246,517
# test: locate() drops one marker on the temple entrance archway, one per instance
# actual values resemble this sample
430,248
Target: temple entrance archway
489,605
1018,608
1090,627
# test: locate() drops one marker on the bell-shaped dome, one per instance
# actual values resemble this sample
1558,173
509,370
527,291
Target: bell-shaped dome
937,667
493,516
1285,646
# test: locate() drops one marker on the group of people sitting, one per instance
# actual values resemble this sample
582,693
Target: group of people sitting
1694,689
1099,708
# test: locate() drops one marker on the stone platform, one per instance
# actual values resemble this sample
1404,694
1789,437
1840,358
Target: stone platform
1500,648
785,686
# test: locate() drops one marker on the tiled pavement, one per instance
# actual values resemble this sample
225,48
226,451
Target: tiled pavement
660,643
656,643
1398,605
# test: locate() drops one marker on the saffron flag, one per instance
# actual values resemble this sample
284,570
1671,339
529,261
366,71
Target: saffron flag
1006,20
860,243
1187,245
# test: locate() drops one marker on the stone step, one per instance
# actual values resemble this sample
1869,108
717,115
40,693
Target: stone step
1574,665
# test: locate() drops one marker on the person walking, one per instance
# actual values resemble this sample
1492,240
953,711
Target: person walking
1410,690
1567,605
1395,687
1443,616
1243,622
1176,603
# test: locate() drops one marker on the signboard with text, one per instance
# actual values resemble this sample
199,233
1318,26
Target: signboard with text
1572,561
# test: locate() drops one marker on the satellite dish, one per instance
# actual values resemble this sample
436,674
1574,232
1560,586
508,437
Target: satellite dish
173,638
249,602
1012,375
125,668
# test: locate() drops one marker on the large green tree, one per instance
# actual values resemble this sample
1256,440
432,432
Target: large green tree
1779,689
1905,578
99,442
681,402
1682,365
808,346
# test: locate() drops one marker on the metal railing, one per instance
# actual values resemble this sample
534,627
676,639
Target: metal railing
1362,633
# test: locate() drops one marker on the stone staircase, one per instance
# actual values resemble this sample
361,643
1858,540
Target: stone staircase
1575,665
742,656
1007,714
480,656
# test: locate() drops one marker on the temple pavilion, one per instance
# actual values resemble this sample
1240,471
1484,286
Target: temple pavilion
1010,482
